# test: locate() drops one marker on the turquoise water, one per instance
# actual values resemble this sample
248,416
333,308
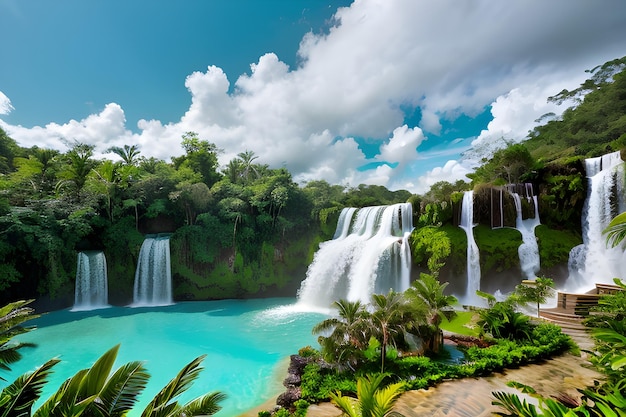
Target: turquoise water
245,342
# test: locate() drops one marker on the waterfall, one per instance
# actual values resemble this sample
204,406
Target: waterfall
91,291
529,250
594,262
369,254
473,255
153,277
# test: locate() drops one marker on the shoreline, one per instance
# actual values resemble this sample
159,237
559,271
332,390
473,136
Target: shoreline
277,387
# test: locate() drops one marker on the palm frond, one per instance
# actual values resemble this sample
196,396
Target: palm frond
25,391
513,405
348,405
96,376
122,389
206,405
616,230
385,399
180,383
63,400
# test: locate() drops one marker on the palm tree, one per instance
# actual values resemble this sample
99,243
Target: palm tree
78,165
11,318
426,296
371,401
129,154
349,332
246,164
390,320
94,391
97,392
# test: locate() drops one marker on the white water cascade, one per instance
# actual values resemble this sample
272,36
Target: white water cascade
369,254
473,255
593,262
529,249
91,290
153,277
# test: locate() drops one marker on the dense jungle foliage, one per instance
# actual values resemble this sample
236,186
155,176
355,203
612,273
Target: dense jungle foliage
246,229
237,230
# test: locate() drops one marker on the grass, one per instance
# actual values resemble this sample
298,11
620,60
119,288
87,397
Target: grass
462,324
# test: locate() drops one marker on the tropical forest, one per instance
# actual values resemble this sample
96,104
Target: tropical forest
456,273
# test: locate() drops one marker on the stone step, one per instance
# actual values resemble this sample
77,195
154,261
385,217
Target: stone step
562,317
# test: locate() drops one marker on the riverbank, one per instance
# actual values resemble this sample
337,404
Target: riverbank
562,375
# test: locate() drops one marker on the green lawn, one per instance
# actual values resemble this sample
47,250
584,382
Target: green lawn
461,324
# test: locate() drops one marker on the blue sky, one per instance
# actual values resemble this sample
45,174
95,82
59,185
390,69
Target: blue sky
388,92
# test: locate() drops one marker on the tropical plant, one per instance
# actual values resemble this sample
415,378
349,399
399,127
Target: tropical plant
502,321
607,398
426,296
12,316
616,230
128,153
97,392
537,291
349,333
371,401
390,318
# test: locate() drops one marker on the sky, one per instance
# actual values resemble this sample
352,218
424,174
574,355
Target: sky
400,93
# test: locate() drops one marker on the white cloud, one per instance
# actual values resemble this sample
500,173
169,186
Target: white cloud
447,57
451,172
5,104
515,114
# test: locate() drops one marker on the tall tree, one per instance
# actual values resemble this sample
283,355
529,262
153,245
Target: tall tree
78,163
390,319
200,156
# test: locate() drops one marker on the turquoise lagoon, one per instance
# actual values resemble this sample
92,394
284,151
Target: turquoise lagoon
245,342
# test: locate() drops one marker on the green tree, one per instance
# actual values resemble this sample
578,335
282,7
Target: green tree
247,167
349,334
77,165
128,153
8,150
372,400
390,319
426,296
194,198
537,291
200,156
511,165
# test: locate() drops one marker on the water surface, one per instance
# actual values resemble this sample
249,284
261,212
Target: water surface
244,340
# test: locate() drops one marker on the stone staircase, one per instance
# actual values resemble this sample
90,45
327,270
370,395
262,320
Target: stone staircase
571,324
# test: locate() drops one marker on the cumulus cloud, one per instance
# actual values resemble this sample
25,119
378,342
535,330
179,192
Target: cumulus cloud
452,171
515,114
446,58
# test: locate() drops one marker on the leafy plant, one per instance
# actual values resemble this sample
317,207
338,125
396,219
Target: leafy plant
98,392
371,401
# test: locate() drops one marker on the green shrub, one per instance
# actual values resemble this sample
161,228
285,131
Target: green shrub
301,408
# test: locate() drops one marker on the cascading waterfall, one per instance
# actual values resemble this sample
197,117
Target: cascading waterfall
369,254
473,255
593,262
529,250
91,290
153,277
